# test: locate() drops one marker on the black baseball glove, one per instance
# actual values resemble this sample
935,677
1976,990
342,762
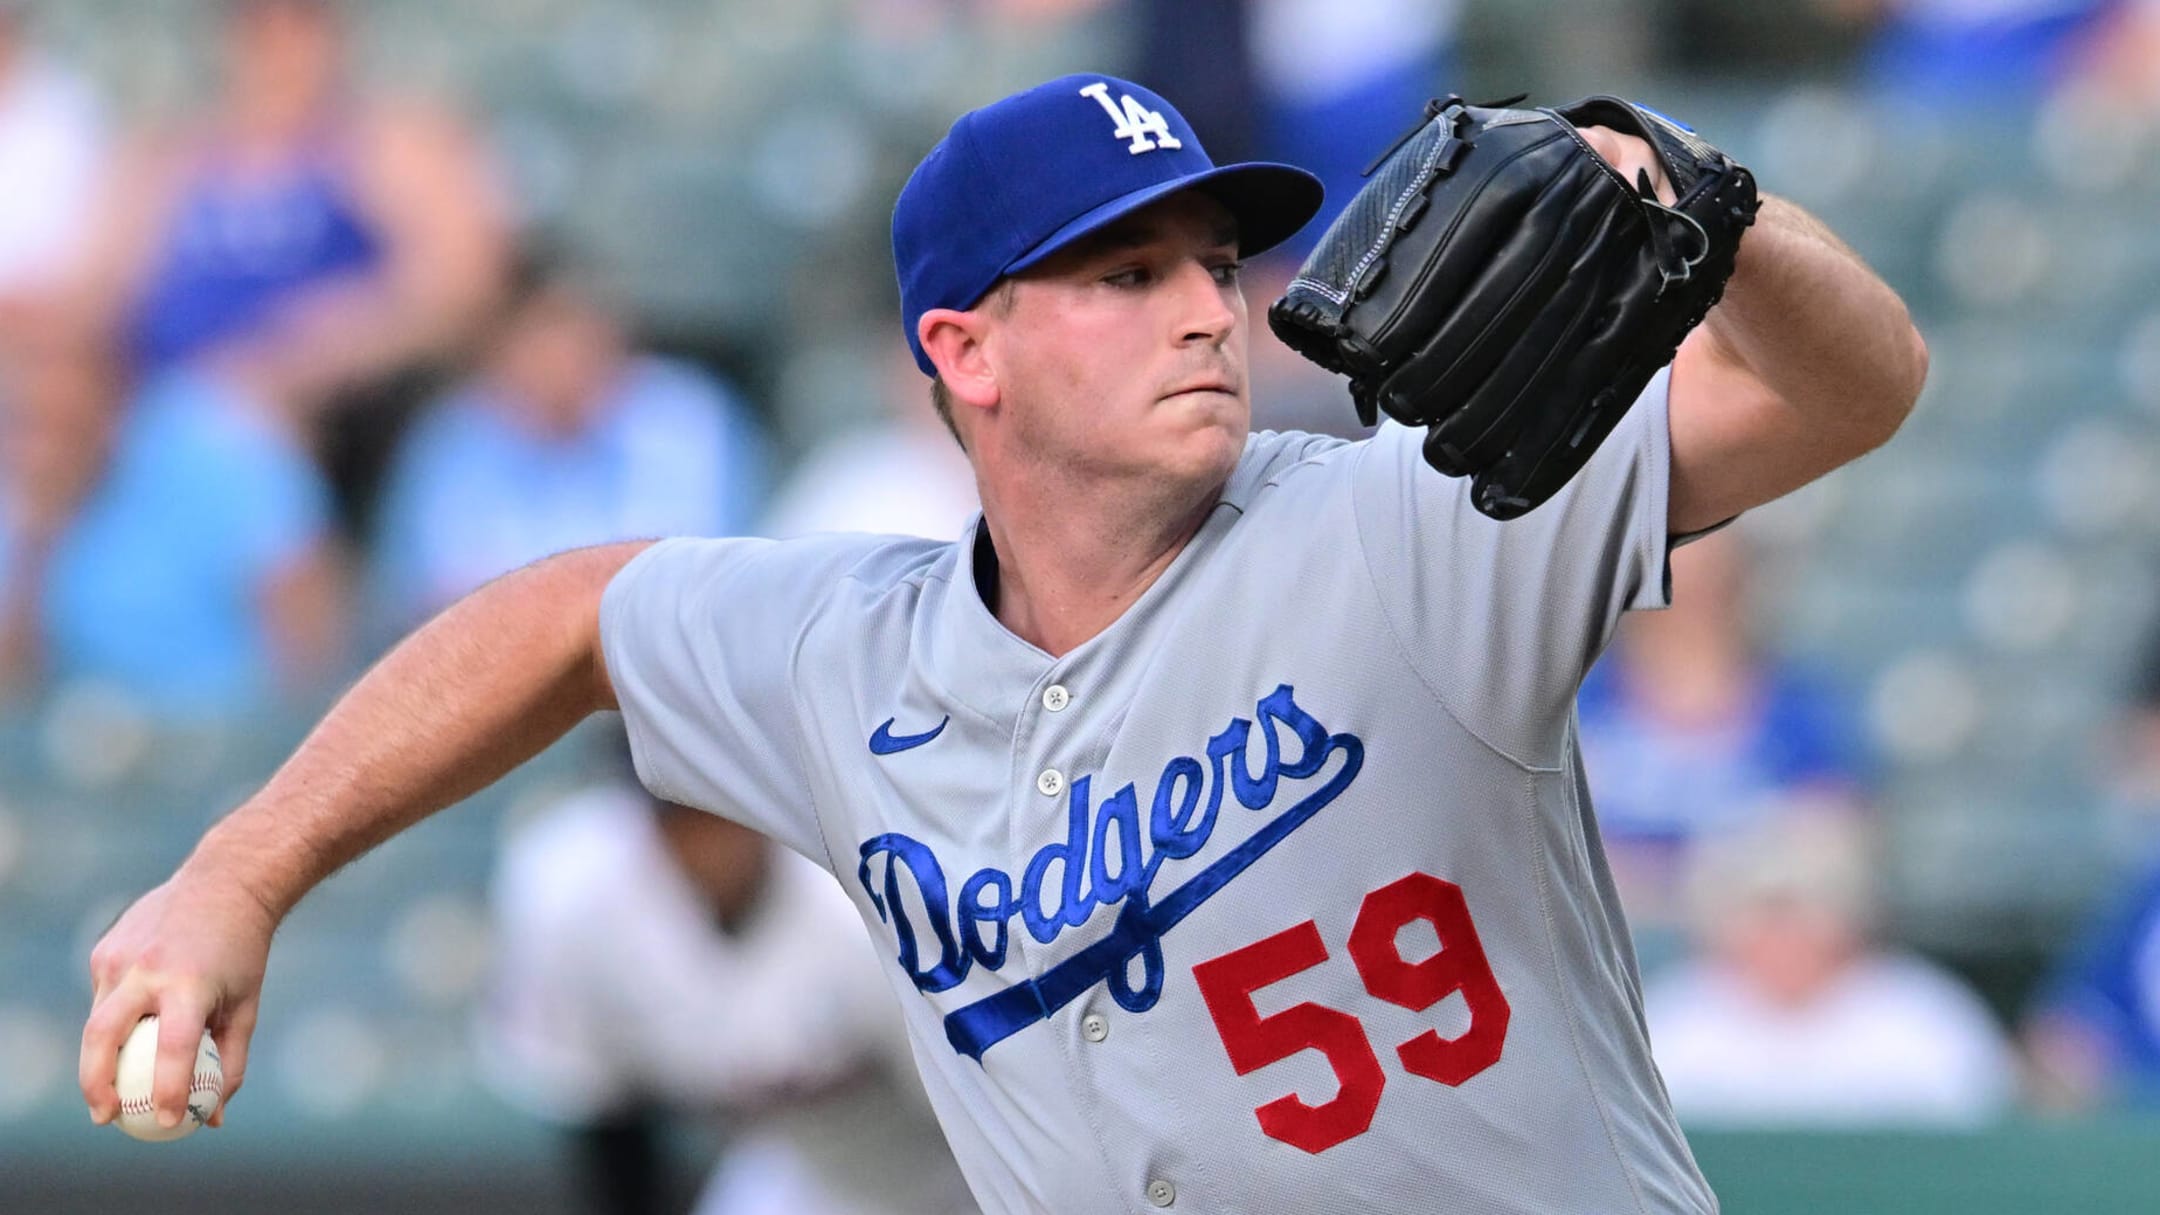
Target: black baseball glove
1497,282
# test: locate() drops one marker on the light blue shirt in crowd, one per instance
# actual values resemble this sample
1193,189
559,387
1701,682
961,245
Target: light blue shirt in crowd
158,586
475,493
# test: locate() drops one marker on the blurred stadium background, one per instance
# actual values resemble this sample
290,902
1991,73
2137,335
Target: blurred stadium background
1980,593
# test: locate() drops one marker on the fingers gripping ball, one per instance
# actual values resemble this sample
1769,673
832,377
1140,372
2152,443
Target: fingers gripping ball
138,1064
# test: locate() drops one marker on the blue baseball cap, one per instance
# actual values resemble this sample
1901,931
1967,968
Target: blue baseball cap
1020,179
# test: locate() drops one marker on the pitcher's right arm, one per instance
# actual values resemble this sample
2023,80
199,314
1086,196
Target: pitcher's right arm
478,690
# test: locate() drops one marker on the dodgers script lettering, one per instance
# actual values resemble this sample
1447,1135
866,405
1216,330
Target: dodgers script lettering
1107,859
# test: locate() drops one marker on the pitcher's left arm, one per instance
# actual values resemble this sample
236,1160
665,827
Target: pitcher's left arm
1809,361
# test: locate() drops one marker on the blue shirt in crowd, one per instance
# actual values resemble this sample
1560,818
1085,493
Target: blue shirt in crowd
2109,983
1655,782
476,491
157,588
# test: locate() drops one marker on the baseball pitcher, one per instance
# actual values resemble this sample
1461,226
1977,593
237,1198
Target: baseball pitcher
1214,801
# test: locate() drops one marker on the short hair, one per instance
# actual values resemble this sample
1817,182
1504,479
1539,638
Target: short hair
941,400
540,266
543,269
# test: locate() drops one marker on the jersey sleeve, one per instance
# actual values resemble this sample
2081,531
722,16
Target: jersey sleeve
1502,620
699,638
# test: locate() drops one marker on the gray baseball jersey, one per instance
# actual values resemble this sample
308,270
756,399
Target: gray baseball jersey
1280,894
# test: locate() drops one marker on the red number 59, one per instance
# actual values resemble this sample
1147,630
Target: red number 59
1227,985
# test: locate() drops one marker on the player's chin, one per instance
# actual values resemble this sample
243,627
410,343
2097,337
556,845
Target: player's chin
1203,438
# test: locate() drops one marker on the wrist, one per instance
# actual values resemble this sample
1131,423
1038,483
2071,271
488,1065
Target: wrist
1755,243
235,855
1756,278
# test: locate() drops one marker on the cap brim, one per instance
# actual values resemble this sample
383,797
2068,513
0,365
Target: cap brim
1271,202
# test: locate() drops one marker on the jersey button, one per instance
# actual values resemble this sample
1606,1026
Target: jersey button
1161,1192
1094,1027
1051,782
1055,697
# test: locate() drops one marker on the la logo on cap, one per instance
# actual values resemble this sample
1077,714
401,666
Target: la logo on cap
1146,128
1032,173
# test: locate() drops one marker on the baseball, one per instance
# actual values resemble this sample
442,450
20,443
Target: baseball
138,1061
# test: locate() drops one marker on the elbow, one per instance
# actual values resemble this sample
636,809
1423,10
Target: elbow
1916,371
1906,375
587,574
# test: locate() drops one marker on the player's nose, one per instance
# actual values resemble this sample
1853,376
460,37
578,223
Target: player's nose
1206,309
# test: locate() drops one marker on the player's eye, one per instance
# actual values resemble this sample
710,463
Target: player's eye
1129,276
1227,273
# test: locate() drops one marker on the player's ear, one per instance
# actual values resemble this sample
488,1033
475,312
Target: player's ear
954,342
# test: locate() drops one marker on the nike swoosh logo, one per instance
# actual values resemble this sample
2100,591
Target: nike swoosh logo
885,742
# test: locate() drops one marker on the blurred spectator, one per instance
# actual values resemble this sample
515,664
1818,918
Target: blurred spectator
566,437
1790,1017
52,134
175,548
2121,62
56,416
1760,44
2007,53
902,476
1339,80
1688,728
1323,84
659,961
2093,1029
305,239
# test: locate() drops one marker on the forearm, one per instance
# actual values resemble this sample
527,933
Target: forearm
337,338
478,690
1808,318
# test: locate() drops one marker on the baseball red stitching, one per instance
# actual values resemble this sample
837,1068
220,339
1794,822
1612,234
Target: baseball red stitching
201,1082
